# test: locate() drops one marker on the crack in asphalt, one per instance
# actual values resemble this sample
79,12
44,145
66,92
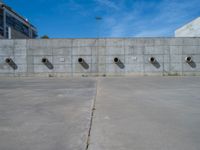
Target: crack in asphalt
92,115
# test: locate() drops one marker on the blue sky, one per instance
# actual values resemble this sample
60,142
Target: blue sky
120,18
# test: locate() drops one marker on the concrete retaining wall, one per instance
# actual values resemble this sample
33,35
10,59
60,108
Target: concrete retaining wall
134,54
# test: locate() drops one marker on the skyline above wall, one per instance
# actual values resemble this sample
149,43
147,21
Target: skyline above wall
106,18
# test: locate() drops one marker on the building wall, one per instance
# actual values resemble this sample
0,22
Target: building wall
21,29
191,29
134,54
17,35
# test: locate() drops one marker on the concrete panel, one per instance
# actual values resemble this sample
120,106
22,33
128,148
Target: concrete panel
162,41
78,68
95,59
149,68
62,51
176,59
114,69
175,50
42,69
4,68
42,51
98,51
166,69
115,50
140,42
6,48
115,42
176,68
100,43
191,50
20,59
62,60
21,68
134,50
84,42
134,68
82,51
94,68
153,50
134,59
161,50
30,64
166,59
67,68
61,43
40,43
6,44
176,41
196,58
191,41
20,47
40,47
101,68
98,59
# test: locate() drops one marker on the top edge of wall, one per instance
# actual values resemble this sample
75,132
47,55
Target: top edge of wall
112,38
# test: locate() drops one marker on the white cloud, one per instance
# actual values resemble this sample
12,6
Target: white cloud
108,3
149,19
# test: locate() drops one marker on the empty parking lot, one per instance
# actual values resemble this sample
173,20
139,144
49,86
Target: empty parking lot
143,113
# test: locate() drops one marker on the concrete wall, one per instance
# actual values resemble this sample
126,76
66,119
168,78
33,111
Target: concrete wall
134,54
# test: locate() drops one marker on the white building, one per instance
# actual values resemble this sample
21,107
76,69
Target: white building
191,29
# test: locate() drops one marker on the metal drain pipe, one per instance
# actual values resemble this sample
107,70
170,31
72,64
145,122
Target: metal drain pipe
152,60
116,60
45,60
81,60
188,59
9,61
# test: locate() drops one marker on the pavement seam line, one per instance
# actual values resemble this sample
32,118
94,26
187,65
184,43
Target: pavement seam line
92,116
